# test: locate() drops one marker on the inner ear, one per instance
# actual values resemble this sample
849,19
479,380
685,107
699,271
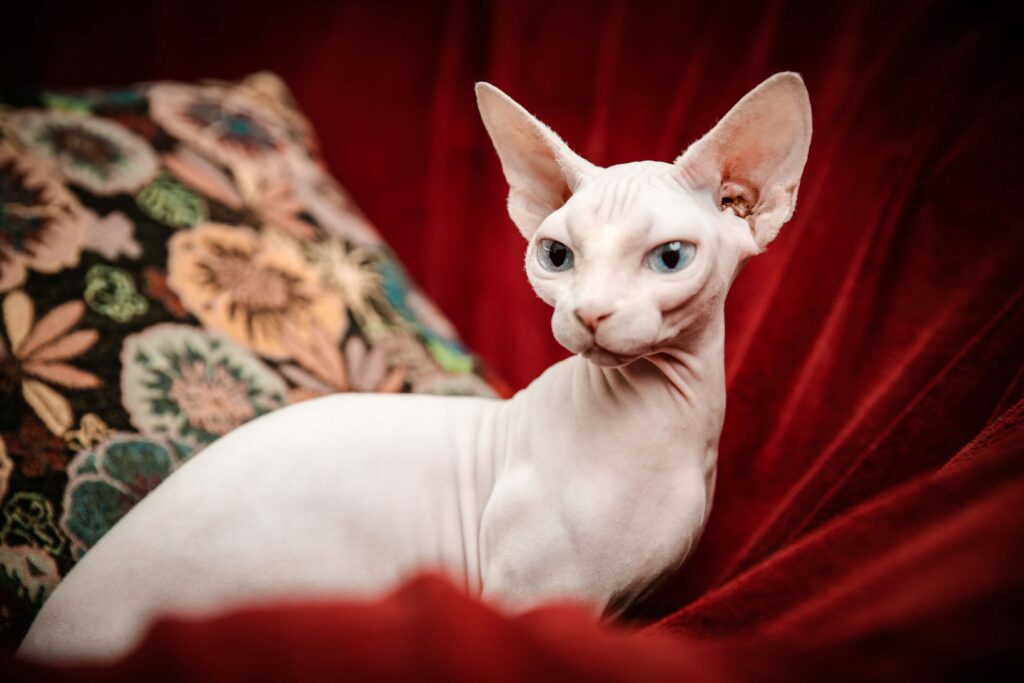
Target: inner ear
541,170
737,198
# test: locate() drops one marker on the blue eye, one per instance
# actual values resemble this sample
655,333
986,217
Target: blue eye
671,257
554,256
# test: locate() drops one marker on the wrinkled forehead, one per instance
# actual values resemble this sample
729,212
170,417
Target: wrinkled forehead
636,195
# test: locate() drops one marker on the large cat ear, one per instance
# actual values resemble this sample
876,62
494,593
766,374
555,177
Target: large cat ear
541,170
756,154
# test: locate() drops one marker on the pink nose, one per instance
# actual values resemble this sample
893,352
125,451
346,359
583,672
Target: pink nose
590,318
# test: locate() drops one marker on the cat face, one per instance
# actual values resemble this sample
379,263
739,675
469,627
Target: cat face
632,259
636,257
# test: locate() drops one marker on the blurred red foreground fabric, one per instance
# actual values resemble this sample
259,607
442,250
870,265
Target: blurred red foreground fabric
869,517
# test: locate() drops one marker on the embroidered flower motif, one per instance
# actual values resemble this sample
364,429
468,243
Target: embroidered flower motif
395,286
136,121
225,124
453,385
91,431
28,520
35,353
353,273
170,202
179,381
450,355
102,156
211,399
112,236
37,449
250,286
65,102
328,204
323,368
41,223
268,90
439,336
111,291
278,208
404,348
195,171
127,107
428,316
27,577
264,201
156,288
6,467
105,483
93,99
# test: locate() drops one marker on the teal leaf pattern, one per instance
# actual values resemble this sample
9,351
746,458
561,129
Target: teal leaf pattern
105,483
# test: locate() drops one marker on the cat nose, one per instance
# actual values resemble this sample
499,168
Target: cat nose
590,318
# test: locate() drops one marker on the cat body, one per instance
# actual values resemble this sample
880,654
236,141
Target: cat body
457,489
588,485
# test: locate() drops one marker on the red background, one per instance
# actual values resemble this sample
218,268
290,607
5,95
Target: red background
878,336
896,87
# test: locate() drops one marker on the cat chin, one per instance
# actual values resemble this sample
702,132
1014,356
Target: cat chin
605,358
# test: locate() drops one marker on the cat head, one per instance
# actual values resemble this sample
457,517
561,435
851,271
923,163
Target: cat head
635,257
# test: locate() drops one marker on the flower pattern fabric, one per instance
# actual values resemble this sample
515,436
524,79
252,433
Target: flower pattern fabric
42,225
105,483
174,262
27,576
28,520
252,286
226,124
111,291
6,465
36,450
271,202
170,202
99,154
34,354
193,386
112,237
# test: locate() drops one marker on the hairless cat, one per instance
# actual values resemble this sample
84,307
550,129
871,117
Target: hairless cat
588,485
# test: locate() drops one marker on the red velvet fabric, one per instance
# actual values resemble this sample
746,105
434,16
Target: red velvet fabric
868,511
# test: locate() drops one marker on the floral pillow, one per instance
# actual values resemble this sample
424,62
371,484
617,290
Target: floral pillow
174,261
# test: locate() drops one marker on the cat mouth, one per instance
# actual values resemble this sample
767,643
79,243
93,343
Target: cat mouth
602,356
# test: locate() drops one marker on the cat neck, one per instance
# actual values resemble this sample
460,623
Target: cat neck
666,408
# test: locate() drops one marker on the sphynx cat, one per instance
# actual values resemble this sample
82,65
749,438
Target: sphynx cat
589,485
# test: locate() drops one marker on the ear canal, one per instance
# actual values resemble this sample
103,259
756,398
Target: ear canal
542,172
756,154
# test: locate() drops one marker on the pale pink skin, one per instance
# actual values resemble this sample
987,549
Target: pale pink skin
588,485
